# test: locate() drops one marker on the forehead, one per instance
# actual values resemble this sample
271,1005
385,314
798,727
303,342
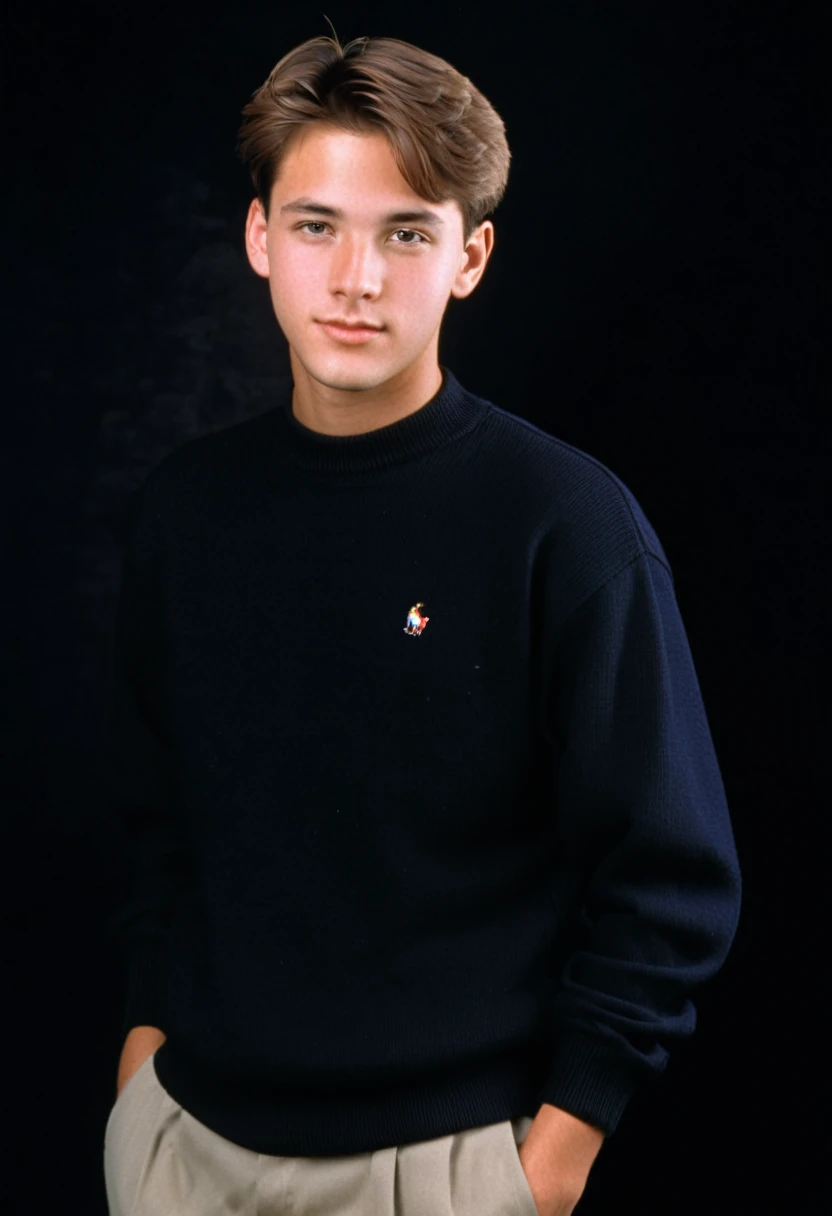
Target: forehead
320,150
352,175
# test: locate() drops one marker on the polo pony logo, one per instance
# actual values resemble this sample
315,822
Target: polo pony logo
416,621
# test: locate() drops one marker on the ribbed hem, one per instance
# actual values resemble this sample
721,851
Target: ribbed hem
589,1080
343,1119
451,413
142,1005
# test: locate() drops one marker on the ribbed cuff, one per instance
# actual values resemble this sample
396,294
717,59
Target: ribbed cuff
142,1003
590,1080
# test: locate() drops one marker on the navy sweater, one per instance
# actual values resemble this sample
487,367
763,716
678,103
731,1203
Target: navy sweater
410,751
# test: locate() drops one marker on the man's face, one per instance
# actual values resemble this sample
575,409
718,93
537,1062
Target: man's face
362,265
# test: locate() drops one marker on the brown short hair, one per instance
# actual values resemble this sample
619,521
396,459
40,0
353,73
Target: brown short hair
448,140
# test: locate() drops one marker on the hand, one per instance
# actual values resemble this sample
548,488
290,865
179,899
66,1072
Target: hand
141,1042
557,1155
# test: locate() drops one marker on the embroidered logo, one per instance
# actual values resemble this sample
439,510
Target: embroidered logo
416,621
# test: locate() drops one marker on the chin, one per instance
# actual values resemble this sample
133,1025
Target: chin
345,372
352,382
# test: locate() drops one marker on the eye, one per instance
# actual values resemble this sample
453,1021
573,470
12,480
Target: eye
410,232
421,241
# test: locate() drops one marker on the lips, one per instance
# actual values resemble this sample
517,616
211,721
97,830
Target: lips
350,324
350,334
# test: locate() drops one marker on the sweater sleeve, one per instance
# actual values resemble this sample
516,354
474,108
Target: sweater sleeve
143,789
643,831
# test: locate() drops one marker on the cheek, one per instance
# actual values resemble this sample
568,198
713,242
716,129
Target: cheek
420,284
292,281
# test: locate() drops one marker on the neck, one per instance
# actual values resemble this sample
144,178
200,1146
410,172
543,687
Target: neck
354,407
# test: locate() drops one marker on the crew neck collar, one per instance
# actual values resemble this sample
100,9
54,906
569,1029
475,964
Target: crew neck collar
451,413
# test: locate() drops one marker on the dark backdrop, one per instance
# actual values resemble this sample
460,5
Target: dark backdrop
653,299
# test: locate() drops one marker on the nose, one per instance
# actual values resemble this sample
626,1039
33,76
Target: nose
356,269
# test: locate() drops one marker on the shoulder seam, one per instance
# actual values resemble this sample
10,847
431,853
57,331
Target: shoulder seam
624,566
608,473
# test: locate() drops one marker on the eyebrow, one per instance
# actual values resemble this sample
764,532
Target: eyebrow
430,218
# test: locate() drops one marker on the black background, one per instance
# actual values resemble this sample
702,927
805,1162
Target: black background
654,298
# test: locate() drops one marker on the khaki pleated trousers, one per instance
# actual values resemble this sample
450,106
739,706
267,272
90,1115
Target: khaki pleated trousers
161,1161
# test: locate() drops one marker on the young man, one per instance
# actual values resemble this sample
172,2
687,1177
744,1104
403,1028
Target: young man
431,841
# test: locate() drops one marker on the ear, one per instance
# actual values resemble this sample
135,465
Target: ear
474,260
256,239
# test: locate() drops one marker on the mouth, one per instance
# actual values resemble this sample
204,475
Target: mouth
350,333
